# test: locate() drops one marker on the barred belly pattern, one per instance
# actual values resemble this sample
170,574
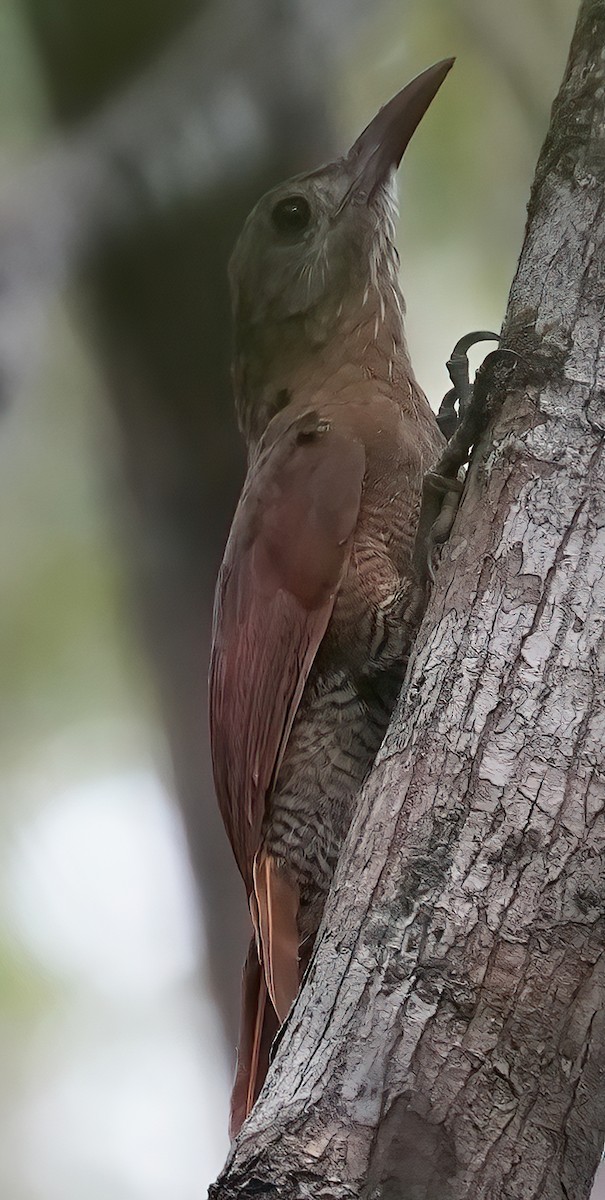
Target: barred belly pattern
335,738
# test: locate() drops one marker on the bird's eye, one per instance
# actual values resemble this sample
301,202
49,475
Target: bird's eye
291,215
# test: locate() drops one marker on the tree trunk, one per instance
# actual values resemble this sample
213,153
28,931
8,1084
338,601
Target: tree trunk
449,1041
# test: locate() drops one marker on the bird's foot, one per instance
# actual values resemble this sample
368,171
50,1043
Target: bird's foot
443,486
448,419
440,500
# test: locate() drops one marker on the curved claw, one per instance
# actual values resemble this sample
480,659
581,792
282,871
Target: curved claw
457,366
447,417
444,479
464,344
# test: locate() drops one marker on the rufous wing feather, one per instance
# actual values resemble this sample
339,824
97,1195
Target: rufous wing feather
277,902
258,1027
287,553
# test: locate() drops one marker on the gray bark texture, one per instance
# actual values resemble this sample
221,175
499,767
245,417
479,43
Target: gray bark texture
449,1041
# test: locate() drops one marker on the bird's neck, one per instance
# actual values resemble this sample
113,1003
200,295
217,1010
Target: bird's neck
351,350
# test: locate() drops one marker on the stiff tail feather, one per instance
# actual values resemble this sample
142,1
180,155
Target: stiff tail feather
268,988
275,917
258,1027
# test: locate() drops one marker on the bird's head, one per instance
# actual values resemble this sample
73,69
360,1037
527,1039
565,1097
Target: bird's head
314,247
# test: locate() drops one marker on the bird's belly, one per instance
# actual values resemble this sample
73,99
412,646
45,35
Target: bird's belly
330,751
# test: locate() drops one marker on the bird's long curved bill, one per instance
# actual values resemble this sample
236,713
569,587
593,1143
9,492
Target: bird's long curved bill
379,149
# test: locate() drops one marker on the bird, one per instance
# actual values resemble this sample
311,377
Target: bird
318,597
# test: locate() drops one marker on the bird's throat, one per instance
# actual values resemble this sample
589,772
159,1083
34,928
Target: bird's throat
321,354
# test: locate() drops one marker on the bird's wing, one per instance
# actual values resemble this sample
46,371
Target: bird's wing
286,556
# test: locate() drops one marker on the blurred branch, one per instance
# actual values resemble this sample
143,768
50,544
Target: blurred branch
148,196
227,95
525,43
203,116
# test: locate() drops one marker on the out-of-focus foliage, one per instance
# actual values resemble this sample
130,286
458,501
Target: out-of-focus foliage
105,1031
22,106
112,1086
60,583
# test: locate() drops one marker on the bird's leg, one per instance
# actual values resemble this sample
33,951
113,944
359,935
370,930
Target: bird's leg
461,392
443,486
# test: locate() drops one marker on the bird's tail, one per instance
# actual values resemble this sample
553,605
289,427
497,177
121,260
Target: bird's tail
258,1026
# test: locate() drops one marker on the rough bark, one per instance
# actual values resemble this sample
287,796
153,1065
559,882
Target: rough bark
449,1041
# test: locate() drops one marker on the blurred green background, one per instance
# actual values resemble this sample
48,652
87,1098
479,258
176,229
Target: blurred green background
133,140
